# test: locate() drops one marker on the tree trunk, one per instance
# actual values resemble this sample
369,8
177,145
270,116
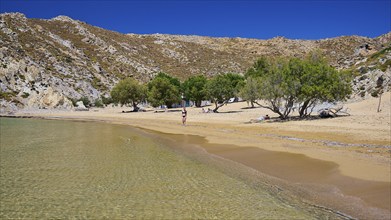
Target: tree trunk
274,109
378,107
252,104
303,108
218,106
135,107
277,110
288,108
198,103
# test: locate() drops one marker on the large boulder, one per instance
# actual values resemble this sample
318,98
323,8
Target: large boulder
80,106
49,99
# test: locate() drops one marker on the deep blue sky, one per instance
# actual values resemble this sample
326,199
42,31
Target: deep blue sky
314,19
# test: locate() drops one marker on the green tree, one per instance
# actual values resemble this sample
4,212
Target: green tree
223,87
161,91
321,83
128,91
293,83
173,80
277,89
259,68
251,90
194,89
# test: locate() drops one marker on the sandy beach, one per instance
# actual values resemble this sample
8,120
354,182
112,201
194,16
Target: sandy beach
350,154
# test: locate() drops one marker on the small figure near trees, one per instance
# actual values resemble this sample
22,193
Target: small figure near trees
184,116
260,119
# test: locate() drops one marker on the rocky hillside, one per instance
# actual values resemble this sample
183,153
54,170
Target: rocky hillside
48,63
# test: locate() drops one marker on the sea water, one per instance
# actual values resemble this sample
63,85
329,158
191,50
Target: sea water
64,169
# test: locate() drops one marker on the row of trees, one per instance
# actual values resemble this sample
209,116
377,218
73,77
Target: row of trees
282,84
167,90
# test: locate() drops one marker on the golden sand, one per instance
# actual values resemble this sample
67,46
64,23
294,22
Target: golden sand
365,126
357,146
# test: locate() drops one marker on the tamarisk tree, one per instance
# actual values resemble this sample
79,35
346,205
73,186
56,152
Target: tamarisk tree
223,87
128,91
194,89
164,90
285,84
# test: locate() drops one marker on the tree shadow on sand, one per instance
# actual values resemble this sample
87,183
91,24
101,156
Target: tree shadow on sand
229,112
293,118
166,111
249,107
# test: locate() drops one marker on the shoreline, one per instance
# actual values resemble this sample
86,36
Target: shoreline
354,150
323,187
374,162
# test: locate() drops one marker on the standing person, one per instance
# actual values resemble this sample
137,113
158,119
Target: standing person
184,116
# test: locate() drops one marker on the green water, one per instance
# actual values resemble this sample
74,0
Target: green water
63,169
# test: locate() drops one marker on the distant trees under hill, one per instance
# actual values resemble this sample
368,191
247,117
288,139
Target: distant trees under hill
282,84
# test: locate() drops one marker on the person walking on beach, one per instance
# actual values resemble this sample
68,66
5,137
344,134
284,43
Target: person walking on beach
184,116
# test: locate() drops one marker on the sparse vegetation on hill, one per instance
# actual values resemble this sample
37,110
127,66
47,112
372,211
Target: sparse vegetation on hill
62,59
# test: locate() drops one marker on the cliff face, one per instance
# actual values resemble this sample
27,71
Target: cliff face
46,63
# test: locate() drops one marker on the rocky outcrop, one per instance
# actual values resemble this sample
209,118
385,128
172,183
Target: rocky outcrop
372,83
80,106
47,63
49,99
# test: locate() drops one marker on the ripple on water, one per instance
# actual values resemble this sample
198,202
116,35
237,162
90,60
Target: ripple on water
59,169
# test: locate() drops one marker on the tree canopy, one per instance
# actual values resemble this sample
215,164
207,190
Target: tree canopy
259,68
284,84
163,90
173,80
289,83
251,90
221,88
194,89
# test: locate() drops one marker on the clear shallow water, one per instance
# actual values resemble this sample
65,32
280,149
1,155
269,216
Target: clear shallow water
63,169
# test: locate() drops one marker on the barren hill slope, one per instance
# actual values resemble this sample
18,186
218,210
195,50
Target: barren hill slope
45,63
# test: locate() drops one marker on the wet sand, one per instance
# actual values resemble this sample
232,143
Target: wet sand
302,170
316,181
343,162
